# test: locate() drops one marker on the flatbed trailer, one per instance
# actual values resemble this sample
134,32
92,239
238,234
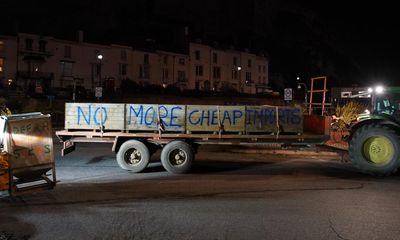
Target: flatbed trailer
137,130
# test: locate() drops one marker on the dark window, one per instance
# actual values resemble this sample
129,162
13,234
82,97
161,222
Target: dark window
28,44
181,76
146,59
144,72
42,46
259,68
249,63
248,76
67,51
165,59
264,69
66,68
197,55
216,72
234,61
122,69
215,58
234,74
181,61
207,86
123,55
199,70
165,74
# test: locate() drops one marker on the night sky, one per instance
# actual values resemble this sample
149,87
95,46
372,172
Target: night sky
351,43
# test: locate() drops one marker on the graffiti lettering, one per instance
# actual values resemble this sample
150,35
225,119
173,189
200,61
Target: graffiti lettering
99,112
210,118
268,116
22,129
147,116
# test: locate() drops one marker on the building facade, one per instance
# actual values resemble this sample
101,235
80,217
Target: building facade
40,63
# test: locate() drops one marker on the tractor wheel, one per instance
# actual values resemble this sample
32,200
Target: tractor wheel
177,157
133,156
375,149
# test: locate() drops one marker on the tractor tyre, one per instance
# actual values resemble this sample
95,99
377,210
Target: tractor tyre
375,149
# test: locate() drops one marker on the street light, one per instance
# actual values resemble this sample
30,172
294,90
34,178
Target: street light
100,58
299,84
99,93
239,68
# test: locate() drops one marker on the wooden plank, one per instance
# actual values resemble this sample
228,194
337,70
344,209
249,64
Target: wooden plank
214,118
179,118
264,119
93,115
29,142
145,117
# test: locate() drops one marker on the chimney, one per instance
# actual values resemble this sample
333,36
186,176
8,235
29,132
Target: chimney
80,36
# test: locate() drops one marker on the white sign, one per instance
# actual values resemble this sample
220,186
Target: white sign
99,92
288,94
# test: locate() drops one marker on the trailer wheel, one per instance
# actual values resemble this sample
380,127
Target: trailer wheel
133,155
177,157
375,149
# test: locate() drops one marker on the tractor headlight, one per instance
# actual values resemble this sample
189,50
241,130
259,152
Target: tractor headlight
379,90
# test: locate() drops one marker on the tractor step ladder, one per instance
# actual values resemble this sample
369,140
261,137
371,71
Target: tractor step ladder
312,91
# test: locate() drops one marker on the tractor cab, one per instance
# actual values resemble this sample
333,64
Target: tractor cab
386,102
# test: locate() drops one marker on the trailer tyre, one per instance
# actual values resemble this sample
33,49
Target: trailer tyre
177,157
375,149
133,155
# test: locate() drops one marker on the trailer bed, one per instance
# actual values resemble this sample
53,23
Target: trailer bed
201,138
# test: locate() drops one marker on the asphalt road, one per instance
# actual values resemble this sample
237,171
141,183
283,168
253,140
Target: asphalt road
227,195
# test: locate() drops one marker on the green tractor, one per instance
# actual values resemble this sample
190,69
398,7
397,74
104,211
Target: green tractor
374,143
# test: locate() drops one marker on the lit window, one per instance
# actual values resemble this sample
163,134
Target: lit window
1,64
